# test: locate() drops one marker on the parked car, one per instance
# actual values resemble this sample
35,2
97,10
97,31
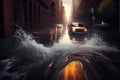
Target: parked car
77,28
101,26
59,25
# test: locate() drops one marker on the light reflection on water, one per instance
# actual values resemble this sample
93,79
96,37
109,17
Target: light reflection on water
61,36
73,71
65,39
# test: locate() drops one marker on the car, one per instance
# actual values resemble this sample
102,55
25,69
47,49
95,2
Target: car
77,28
101,26
59,25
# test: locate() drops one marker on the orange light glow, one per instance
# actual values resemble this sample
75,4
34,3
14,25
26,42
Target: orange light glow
73,71
82,28
70,71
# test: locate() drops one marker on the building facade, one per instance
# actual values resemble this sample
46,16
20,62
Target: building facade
6,17
82,6
86,5
119,17
31,15
75,5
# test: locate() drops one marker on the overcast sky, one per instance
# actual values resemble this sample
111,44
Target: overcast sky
67,4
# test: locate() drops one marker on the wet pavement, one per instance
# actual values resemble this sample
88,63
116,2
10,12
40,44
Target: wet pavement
56,55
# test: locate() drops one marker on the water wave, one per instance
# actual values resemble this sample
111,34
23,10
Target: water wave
28,54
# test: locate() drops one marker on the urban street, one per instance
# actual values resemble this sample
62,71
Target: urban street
51,43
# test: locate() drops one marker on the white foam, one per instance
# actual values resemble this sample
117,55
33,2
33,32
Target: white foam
27,41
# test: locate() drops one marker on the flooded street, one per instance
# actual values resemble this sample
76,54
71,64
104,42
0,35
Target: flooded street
59,40
57,55
73,71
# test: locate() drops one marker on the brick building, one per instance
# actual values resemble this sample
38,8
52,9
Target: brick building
83,6
6,17
86,5
31,15
119,17
75,7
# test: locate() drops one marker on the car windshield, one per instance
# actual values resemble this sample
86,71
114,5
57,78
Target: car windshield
74,24
77,24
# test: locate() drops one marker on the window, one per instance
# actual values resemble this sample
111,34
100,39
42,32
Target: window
39,13
52,9
30,12
34,14
15,6
1,20
24,6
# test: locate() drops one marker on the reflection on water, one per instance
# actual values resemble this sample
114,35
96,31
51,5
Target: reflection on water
73,71
59,35
65,39
62,36
26,59
79,39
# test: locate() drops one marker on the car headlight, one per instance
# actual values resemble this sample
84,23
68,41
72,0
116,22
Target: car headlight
85,30
73,29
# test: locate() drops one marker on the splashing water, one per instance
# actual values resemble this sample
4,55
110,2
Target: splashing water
28,42
26,47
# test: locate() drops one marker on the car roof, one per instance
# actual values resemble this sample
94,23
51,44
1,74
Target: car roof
78,22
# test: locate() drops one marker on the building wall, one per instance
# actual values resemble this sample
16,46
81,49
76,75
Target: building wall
86,5
8,17
83,7
1,19
119,15
61,11
75,9
57,11
31,15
